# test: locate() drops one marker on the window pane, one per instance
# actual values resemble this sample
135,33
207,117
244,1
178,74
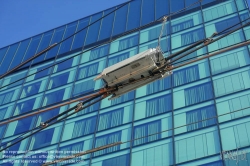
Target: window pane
32,48
148,12
20,53
93,30
27,105
66,45
107,25
176,5
80,36
57,37
134,14
2,53
33,88
95,53
8,58
43,45
162,8
61,79
57,96
120,20
84,127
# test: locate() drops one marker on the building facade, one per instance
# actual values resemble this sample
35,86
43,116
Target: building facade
200,114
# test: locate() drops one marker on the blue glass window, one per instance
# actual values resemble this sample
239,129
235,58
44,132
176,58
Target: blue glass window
134,15
45,41
198,93
8,58
222,25
60,80
148,12
216,163
197,146
190,2
110,119
89,109
64,64
176,5
20,53
229,61
13,78
23,125
158,105
108,139
44,72
191,37
107,25
2,129
183,25
80,36
120,20
125,97
162,8
2,53
66,45
128,42
71,150
95,53
87,71
93,30
84,127
118,58
186,75
25,106
56,96
43,138
32,50
159,85
146,130
34,88
57,37
3,112
120,160
7,97
200,115
84,87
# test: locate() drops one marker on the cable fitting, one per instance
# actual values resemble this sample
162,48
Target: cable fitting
42,124
78,107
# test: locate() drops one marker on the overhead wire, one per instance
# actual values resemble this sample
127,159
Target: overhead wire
49,124
156,133
55,44
113,39
81,53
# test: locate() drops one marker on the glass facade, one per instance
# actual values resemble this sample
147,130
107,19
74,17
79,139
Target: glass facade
182,108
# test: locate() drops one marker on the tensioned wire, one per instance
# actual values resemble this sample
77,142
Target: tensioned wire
136,29
176,128
109,41
48,125
123,34
37,127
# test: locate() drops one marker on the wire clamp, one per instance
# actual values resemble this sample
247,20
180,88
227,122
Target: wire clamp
43,124
78,107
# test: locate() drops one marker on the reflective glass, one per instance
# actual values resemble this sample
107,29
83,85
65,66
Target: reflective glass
80,36
134,14
107,25
162,8
45,42
148,12
120,20
20,53
61,79
93,30
57,95
66,45
57,37
8,58
176,5
39,72
2,53
32,50
33,88
95,53
12,81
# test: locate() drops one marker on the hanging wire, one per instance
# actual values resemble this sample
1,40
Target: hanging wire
132,140
123,34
